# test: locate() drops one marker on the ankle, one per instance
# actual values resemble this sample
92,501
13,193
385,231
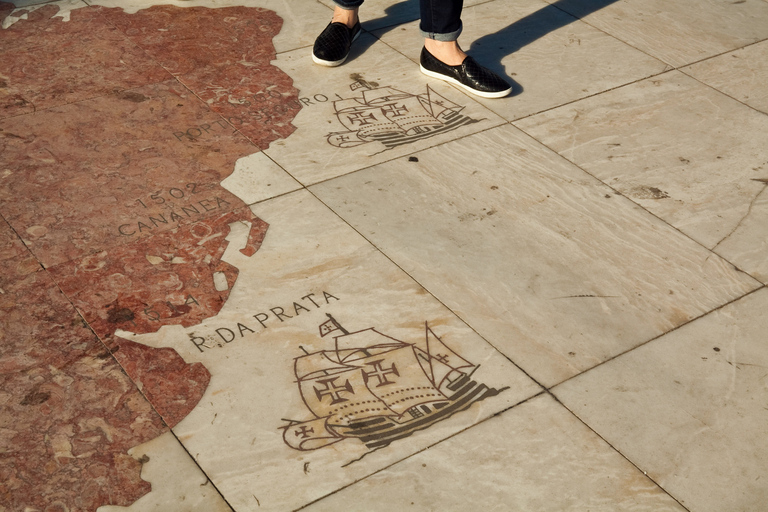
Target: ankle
447,52
345,16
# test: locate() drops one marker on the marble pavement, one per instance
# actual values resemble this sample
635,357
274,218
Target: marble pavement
232,280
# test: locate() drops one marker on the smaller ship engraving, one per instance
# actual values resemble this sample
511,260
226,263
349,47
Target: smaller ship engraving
393,117
378,389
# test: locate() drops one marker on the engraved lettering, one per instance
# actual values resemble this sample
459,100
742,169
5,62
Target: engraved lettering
191,208
229,337
310,299
281,314
297,307
258,316
198,345
161,219
120,229
242,328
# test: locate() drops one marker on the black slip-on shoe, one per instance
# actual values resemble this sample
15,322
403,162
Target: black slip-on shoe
333,44
469,75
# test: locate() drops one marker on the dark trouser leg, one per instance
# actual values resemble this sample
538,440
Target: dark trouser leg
348,4
441,19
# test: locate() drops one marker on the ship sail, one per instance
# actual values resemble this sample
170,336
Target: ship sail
444,361
384,95
343,398
357,116
309,435
366,339
438,106
410,115
396,378
318,364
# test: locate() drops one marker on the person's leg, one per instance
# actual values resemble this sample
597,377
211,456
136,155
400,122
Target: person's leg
332,45
346,12
441,26
443,58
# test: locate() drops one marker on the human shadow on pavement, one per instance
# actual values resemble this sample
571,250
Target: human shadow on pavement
491,49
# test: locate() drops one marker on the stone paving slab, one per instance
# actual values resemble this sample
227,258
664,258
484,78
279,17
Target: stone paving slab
680,32
739,74
551,57
510,462
691,155
540,258
387,344
394,272
689,407
374,108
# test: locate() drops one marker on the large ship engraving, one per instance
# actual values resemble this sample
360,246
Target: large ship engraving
393,117
377,389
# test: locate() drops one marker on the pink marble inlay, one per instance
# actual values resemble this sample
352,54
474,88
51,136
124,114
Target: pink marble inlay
163,280
87,176
167,279
223,55
15,259
49,62
68,414
115,188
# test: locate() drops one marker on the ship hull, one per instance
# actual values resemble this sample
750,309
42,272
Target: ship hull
381,431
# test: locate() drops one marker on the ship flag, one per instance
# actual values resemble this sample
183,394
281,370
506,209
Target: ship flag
328,327
331,325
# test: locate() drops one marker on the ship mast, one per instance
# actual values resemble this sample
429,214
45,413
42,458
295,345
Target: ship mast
337,324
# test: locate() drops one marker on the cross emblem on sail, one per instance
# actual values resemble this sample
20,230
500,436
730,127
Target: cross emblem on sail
380,373
378,389
393,117
332,391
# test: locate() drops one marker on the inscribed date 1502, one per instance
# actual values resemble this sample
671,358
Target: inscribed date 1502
159,197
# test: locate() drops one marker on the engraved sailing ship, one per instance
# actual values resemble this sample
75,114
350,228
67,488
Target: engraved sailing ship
378,389
393,117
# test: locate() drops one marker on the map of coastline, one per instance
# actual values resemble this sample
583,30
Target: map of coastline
127,142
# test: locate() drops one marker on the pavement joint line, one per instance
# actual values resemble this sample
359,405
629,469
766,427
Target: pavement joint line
625,457
655,338
422,450
620,194
422,286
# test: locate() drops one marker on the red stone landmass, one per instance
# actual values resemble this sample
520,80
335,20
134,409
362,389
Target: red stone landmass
102,128
142,286
224,56
68,413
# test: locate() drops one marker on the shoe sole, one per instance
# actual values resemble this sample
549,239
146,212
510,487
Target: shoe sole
451,80
334,63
